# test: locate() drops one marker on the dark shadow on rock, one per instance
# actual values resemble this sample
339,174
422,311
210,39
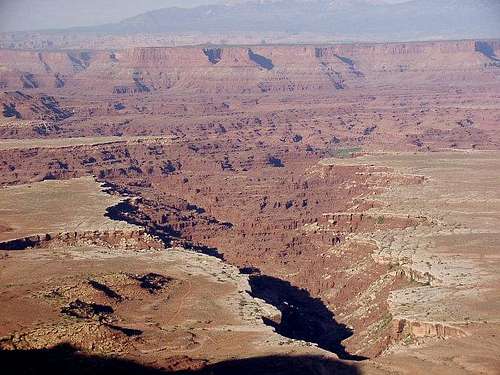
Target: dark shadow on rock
10,111
281,365
260,60
197,248
303,317
129,332
20,244
125,211
214,55
65,359
486,49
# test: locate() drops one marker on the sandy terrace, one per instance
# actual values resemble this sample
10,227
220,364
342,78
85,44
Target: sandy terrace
77,205
11,144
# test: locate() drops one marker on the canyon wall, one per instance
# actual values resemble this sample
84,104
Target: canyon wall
246,70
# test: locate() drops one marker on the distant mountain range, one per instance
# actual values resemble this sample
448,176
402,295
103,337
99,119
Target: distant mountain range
354,19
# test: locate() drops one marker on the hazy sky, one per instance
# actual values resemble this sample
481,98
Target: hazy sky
45,14
18,15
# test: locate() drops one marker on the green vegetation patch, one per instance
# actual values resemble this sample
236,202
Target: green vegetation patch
344,153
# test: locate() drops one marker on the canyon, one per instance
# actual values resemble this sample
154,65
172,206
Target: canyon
291,208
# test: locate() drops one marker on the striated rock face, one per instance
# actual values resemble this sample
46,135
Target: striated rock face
239,70
112,239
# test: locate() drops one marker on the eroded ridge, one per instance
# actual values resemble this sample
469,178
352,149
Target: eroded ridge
451,254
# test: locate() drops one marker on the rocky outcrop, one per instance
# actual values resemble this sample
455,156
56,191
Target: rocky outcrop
414,330
360,222
112,239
